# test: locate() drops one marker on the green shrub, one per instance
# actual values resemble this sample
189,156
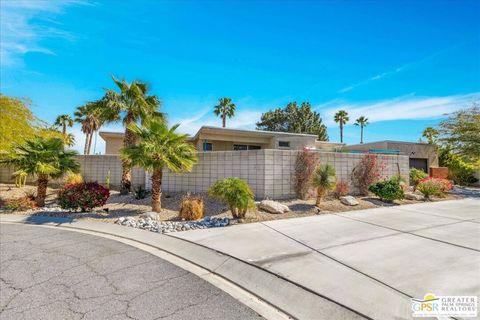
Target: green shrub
83,196
387,190
416,174
432,187
459,171
235,193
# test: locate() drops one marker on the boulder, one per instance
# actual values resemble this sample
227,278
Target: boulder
349,201
152,215
414,196
273,206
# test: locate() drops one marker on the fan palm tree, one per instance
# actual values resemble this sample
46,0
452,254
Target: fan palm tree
224,109
341,117
324,179
361,122
430,134
131,104
159,148
64,121
89,116
44,158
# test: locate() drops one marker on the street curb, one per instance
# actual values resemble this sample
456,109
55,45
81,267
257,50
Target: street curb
277,297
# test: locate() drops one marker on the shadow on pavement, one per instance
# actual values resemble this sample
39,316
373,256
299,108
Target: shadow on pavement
47,219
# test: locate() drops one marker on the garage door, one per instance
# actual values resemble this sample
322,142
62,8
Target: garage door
418,163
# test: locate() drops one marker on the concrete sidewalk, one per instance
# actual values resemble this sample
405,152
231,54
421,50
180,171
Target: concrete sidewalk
358,264
371,261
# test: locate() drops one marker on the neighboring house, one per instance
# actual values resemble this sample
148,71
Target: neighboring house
113,141
225,139
422,155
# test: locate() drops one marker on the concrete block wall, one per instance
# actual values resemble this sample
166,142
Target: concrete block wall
280,164
270,173
92,168
212,166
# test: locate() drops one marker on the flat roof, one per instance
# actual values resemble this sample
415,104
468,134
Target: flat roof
388,141
250,131
109,134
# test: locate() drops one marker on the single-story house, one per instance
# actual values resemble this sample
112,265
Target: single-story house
226,139
422,155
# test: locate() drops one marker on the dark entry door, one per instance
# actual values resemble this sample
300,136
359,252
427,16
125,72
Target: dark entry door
418,163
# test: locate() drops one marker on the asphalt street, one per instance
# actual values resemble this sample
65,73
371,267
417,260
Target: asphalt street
57,274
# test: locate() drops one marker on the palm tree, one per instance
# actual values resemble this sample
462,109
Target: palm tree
159,148
430,134
89,116
341,117
324,179
224,109
64,121
44,158
362,122
133,104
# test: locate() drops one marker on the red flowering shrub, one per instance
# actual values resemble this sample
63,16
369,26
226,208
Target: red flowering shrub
341,189
367,172
84,196
447,185
304,167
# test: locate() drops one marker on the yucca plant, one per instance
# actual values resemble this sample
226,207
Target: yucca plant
44,158
324,179
159,148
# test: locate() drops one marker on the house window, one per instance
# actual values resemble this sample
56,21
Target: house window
284,144
238,147
207,146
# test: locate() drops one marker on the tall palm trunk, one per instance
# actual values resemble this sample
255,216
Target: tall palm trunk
129,140
85,149
89,142
361,134
224,120
64,130
42,184
157,190
341,132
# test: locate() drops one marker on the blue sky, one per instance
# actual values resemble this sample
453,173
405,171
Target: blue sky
401,64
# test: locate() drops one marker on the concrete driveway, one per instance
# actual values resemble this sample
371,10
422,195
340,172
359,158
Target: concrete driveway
370,261
55,274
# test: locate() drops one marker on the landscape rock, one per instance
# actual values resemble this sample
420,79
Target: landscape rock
414,196
273,206
172,226
152,215
349,201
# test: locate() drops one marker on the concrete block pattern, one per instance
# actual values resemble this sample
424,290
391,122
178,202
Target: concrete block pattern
270,173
